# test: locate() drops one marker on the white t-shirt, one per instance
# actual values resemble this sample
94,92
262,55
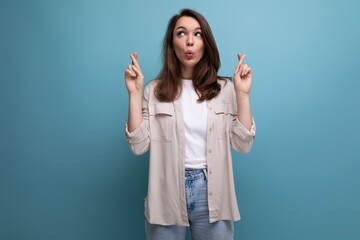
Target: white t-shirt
195,120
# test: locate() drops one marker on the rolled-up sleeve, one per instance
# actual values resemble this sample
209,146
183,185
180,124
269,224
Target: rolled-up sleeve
139,139
241,138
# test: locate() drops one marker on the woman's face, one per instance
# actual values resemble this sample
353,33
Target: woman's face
188,43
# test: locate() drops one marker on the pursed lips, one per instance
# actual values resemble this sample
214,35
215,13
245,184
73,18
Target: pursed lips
189,54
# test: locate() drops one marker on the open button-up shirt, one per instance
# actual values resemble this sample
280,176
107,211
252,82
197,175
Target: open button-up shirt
162,131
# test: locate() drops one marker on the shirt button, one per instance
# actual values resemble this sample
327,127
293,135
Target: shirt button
210,151
210,172
210,193
210,108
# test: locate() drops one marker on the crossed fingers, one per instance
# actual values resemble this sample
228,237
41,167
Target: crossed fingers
242,69
133,69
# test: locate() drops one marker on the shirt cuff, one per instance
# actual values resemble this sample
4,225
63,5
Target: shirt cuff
136,136
243,132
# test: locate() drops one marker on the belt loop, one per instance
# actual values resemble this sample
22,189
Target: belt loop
205,173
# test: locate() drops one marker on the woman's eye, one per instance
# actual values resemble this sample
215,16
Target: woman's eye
198,34
181,33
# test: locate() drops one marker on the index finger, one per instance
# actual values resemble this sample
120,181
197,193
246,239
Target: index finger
241,58
134,59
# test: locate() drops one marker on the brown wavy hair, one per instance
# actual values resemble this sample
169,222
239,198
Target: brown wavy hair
205,71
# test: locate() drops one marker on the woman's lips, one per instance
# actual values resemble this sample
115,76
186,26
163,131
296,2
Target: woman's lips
189,54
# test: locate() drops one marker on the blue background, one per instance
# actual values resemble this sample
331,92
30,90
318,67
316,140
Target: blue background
66,171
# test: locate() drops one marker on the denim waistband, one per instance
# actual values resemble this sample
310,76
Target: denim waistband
194,173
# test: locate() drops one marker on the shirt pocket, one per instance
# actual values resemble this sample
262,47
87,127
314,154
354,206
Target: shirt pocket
224,115
161,121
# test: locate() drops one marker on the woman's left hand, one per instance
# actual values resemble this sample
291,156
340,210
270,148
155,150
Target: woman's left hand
242,76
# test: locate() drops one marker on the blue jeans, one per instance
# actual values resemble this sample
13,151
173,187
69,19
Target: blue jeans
198,214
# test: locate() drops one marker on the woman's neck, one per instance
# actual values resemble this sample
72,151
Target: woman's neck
186,73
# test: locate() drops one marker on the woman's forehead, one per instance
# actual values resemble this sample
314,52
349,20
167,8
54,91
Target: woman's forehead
188,23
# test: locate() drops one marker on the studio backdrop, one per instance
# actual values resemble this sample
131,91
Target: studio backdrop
66,171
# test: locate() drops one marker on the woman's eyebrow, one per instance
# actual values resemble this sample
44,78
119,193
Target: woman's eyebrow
181,27
185,28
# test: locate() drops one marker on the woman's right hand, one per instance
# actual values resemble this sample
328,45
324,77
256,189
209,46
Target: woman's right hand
134,79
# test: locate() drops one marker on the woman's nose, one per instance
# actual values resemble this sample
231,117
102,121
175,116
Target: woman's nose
190,41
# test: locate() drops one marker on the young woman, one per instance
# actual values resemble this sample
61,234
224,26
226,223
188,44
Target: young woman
189,117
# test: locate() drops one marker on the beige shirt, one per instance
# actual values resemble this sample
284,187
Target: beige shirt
162,131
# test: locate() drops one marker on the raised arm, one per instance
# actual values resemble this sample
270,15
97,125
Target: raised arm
134,81
242,84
